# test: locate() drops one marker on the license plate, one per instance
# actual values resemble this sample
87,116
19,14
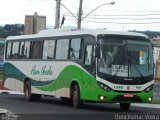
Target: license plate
128,95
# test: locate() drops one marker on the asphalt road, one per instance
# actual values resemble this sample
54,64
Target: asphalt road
53,109
156,90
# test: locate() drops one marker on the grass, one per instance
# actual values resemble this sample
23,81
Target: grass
155,102
1,76
157,79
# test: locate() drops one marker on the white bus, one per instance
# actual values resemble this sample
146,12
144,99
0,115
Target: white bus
81,66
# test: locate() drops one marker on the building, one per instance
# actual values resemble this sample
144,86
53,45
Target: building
34,23
156,44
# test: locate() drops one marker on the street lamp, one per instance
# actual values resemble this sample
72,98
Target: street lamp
80,19
112,3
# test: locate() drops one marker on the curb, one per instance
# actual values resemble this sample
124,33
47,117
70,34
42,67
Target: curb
146,105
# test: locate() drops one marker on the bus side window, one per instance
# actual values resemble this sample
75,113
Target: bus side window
62,49
48,49
45,50
89,59
8,53
15,49
21,51
26,50
88,55
36,48
75,51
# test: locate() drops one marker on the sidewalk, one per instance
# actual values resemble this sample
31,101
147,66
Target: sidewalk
11,92
146,105
156,82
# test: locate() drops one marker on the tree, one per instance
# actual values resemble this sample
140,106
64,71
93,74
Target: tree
150,34
11,30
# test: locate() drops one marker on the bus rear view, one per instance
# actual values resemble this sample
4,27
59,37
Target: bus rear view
124,69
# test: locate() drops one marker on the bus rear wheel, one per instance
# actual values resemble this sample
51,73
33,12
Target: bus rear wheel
125,106
27,92
77,103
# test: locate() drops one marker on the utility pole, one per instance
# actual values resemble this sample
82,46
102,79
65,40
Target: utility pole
57,17
80,15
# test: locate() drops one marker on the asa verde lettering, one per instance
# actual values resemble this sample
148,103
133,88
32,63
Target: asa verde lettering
43,71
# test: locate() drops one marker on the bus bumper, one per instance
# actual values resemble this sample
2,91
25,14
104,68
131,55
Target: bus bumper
119,97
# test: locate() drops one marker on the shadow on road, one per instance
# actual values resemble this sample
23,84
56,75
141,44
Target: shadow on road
57,103
97,107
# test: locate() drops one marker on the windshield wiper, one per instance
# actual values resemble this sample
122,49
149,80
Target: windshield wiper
132,63
138,70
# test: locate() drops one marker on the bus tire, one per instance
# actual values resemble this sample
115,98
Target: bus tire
125,106
77,103
27,91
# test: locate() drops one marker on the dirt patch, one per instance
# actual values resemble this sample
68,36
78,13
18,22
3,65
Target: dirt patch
1,86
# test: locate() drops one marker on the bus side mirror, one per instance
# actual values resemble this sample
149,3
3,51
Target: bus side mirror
97,51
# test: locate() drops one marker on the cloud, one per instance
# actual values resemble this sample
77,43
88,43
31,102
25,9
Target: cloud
14,11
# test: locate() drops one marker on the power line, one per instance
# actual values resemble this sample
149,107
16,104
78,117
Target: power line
140,11
69,11
131,11
121,18
128,15
72,7
124,22
121,14
120,22
125,18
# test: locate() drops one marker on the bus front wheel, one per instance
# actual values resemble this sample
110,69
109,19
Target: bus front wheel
125,106
77,103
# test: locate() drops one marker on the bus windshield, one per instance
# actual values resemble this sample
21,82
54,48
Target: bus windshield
125,57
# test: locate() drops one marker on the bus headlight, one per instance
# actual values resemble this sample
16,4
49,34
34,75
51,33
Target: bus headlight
149,99
101,97
104,87
148,89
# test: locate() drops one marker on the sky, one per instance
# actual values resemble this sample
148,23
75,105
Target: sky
122,16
